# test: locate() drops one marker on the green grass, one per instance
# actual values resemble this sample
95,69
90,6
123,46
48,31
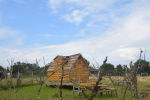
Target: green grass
144,86
49,93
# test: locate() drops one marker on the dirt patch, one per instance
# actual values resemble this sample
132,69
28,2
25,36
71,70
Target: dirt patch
146,97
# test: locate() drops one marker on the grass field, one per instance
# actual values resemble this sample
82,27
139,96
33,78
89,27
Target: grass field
26,81
49,93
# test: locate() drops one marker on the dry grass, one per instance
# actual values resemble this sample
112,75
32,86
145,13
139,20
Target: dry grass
145,79
4,84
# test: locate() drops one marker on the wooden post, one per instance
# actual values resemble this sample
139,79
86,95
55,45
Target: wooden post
62,76
32,76
123,92
131,79
96,88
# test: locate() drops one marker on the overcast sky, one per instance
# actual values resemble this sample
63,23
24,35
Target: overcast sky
31,29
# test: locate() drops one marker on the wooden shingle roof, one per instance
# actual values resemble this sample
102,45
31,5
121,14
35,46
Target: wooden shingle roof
71,60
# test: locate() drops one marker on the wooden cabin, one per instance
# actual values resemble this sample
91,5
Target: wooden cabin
75,69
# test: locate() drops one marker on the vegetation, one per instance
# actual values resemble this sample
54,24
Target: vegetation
2,70
26,69
108,69
50,93
145,66
20,85
26,81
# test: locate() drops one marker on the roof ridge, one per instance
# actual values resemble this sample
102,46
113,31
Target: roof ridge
69,55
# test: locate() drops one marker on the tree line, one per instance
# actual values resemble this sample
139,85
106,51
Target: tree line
26,69
118,70
23,69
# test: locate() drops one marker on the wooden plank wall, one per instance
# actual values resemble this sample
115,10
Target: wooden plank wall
56,77
79,72
81,69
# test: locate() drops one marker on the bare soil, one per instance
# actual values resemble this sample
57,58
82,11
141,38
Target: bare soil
147,97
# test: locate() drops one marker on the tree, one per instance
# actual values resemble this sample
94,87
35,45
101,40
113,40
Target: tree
25,69
119,70
93,70
145,66
2,72
108,69
45,68
1,67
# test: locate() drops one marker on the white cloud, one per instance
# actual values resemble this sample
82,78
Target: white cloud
54,4
6,32
128,52
76,16
79,9
82,33
121,43
12,36
88,4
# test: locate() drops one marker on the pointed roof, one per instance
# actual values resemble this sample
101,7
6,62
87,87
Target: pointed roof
71,61
75,56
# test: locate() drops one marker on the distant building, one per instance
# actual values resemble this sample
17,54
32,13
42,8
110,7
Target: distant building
8,75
